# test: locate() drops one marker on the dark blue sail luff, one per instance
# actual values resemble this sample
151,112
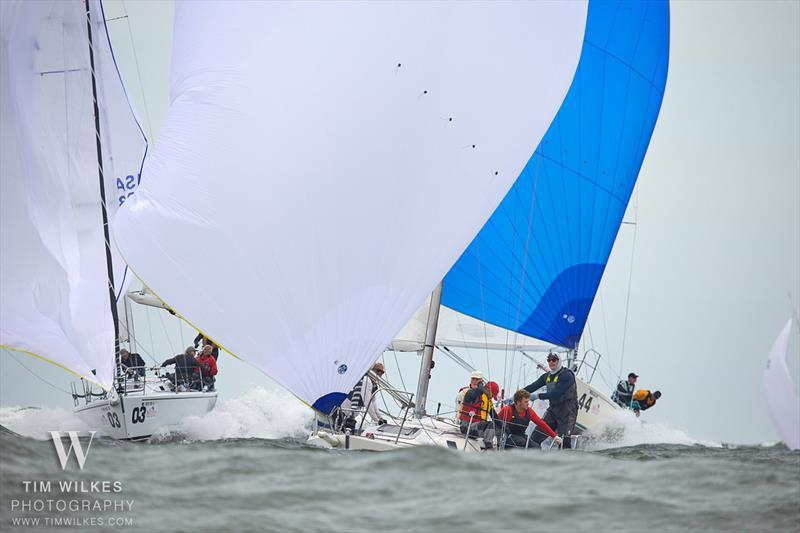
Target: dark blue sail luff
537,263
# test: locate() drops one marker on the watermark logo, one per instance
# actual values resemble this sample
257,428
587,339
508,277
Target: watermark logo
75,444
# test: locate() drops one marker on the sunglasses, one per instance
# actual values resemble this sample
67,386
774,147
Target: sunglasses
379,372
552,359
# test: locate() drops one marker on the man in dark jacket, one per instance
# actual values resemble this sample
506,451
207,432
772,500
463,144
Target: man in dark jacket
624,393
562,393
187,369
132,363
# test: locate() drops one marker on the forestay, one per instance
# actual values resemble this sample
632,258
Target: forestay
55,301
322,165
536,265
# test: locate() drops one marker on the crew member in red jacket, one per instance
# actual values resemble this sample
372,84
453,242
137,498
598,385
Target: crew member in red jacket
514,419
208,366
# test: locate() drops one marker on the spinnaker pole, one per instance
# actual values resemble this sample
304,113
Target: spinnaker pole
427,352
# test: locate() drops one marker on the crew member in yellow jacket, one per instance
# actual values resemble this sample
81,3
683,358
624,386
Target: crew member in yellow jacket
643,400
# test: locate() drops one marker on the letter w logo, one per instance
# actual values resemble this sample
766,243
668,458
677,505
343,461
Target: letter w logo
75,444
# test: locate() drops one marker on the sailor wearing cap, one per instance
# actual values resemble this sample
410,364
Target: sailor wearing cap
361,397
474,408
562,393
624,393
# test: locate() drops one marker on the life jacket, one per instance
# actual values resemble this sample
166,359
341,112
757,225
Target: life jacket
481,407
644,397
567,402
519,422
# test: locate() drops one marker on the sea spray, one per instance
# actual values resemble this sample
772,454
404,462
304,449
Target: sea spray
258,413
623,429
37,423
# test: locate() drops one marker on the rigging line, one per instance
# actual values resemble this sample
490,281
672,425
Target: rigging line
511,278
37,376
180,332
166,334
142,348
138,72
794,311
531,213
399,372
605,325
630,282
483,310
150,329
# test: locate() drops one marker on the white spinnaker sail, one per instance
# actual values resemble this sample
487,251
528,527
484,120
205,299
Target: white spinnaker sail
784,407
54,297
310,146
122,138
457,330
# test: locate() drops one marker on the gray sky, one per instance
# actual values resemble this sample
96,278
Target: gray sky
717,242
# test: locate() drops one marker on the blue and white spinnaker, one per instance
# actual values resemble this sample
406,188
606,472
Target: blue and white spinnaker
536,265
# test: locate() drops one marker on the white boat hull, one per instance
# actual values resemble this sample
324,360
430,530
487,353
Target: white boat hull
593,409
134,416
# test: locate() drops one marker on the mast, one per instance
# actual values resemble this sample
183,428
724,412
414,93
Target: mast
427,352
109,261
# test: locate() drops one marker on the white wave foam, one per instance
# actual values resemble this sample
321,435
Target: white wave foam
259,413
624,429
36,422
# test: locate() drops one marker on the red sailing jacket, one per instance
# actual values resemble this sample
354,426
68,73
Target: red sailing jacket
210,361
519,421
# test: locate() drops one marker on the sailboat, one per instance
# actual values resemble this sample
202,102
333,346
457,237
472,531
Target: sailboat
532,272
72,152
779,391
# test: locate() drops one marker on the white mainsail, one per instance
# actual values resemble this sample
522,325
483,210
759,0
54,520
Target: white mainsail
311,145
784,407
457,330
55,300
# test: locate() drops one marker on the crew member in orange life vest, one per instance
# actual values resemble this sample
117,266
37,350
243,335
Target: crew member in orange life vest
514,419
474,379
477,408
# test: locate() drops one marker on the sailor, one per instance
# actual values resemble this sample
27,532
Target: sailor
208,367
513,421
132,363
476,409
475,378
186,368
643,400
623,395
562,392
205,342
361,397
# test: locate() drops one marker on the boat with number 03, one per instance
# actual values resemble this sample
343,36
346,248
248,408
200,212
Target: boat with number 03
72,156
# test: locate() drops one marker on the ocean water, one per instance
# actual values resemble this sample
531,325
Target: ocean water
246,467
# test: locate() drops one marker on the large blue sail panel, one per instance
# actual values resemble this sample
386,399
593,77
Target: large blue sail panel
535,266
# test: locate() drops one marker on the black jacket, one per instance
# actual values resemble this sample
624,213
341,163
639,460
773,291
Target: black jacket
186,368
566,379
134,360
